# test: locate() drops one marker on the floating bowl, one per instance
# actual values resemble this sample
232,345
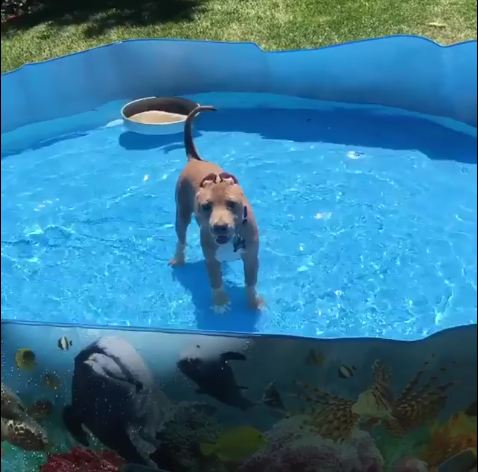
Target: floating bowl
157,115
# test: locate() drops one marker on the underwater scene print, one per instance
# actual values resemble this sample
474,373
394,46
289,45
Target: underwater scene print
80,399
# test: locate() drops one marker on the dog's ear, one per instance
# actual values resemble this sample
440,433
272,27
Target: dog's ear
209,180
229,178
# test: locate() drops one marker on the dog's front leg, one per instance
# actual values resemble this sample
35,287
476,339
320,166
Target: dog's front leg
251,268
220,298
219,295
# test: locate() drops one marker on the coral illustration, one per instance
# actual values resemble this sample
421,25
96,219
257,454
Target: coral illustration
18,427
181,436
409,464
83,460
397,449
336,418
450,438
291,447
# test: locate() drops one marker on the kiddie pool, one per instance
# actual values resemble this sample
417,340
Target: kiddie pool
360,162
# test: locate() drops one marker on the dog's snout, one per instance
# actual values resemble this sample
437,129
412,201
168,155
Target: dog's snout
220,229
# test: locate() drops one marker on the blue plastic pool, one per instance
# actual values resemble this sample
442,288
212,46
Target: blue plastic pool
360,162
367,218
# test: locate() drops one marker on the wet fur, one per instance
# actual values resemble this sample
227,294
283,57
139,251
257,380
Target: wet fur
197,187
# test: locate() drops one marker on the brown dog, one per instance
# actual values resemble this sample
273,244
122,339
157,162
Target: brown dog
225,218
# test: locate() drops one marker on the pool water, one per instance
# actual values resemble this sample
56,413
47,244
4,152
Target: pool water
367,221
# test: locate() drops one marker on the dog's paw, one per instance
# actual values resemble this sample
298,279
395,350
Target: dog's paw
221,302
179,258
221,309
177,262
255,301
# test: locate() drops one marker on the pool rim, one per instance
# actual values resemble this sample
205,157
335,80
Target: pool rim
248,43
230,334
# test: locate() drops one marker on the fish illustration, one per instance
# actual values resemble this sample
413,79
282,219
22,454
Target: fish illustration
330,416
64,343
12,406
114,397
216,378
25,433
376,402
25,359
315,358
272,397
40,410
235,444
345,372
418,402
51,381
335,417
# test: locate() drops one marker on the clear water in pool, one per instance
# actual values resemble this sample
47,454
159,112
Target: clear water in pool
367,219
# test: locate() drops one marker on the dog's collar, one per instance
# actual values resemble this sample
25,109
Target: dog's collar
238,242
218,178
244,215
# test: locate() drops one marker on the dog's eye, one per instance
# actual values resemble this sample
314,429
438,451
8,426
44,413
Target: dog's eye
206,207
231,205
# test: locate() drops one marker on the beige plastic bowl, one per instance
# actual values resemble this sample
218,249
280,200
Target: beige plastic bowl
157,115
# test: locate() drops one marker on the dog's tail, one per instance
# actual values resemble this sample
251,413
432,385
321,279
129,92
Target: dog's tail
188,132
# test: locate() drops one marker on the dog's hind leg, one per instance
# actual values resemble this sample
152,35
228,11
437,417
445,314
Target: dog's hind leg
183,219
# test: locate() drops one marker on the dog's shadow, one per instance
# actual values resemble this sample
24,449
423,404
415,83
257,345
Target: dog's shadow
239,318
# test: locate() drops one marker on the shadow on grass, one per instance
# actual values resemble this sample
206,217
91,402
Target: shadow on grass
101,15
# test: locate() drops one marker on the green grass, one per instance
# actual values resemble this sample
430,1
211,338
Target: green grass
74,25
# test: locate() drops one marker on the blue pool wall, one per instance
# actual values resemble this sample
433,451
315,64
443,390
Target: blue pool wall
410,73
419,370
407,72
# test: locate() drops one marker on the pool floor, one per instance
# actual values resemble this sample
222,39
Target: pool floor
367,222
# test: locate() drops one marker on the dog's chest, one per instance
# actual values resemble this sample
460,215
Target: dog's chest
231,251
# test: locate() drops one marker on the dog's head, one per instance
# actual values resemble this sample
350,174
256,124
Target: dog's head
220,206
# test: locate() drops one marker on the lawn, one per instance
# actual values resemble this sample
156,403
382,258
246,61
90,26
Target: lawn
65,26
